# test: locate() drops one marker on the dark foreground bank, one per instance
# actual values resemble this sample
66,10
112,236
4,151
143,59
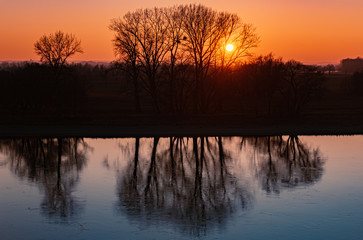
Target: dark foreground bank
111,131
118,124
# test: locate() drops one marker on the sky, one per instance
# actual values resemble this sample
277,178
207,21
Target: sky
310,31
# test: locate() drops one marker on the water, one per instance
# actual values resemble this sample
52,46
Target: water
307,187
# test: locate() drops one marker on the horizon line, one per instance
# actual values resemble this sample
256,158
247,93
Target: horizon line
319,63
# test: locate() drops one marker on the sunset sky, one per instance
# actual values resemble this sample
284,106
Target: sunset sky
311,31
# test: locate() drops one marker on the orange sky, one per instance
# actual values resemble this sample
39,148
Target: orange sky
311,31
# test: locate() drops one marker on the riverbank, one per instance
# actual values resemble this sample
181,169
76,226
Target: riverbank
118,124
111,131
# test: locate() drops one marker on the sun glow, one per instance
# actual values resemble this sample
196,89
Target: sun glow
229,47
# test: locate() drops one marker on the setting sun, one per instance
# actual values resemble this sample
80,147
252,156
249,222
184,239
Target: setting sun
229,47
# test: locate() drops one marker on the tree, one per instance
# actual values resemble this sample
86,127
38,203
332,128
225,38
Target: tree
265,74
300,84
175,36
144,31
208,32
126,47
164,38
55,49
330,68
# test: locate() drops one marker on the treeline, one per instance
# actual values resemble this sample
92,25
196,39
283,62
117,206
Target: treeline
265,85
32,87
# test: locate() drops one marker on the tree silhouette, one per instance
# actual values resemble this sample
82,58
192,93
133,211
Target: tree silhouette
208,32
55,49
263,77
192,34
299,85
126,48
175,35
141,36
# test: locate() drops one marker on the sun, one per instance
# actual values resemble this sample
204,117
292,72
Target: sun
229,47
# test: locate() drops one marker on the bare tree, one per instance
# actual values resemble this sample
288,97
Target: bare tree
175,36
207,34
126,48
189,35
241,35
265,76
55,49
300,84
149,30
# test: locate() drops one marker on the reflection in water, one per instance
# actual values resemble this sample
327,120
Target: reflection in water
191,183
195,185
285,163
184,181
54,164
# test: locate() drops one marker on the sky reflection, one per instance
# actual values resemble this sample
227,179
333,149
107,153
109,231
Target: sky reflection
215,187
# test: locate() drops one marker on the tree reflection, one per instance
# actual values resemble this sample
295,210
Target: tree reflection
185,182
286,163
195,185
54,164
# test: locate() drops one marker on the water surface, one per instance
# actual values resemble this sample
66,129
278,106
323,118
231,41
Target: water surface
285,187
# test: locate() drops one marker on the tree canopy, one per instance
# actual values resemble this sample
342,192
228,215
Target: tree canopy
189,34
55,49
